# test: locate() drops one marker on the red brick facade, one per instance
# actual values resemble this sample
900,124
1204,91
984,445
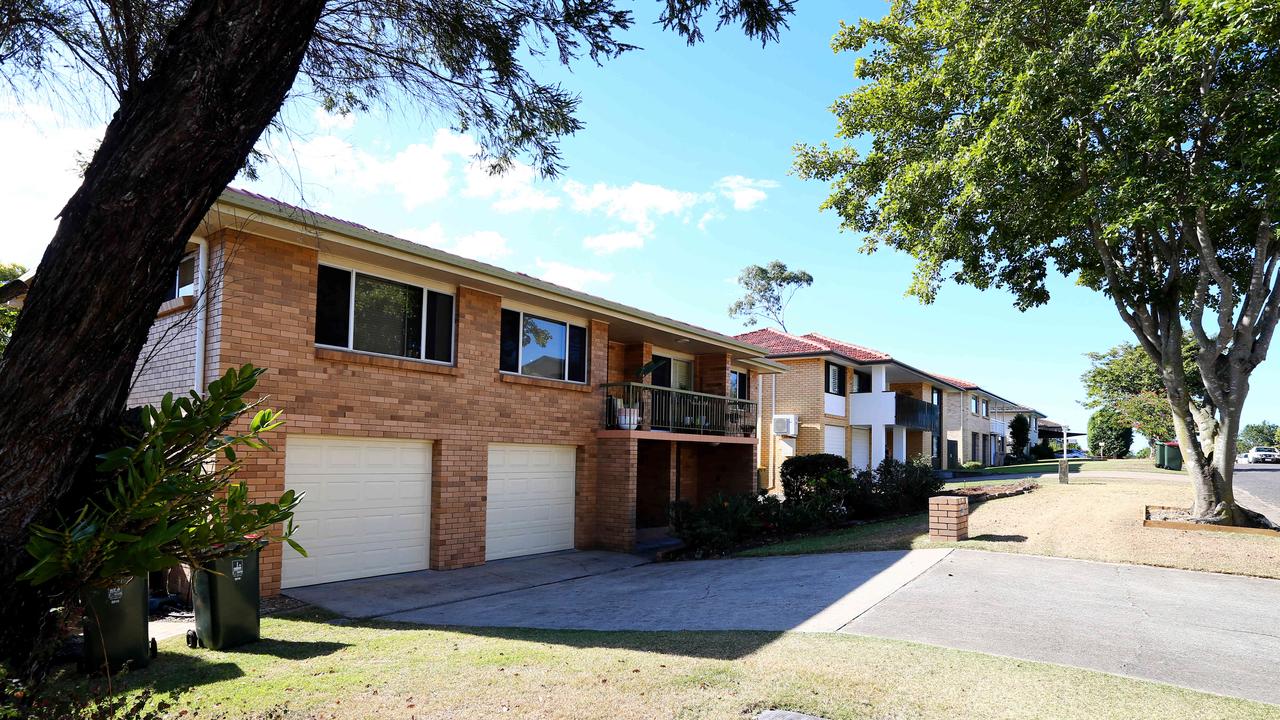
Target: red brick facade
266,316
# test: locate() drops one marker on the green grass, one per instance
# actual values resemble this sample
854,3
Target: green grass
386,670
1051,466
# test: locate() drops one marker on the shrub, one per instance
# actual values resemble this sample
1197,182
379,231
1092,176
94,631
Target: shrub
1042,451
906,486
971,465
801,473
862,497
1143,453
720,524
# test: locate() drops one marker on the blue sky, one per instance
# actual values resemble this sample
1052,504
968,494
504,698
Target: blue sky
680,178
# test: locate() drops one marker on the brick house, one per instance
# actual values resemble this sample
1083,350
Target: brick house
1005,414
847,400
442,412
976,421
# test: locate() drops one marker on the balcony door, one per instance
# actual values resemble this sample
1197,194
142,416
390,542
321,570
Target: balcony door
675,374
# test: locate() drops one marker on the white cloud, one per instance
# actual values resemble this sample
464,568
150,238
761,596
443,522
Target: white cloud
570,276
483,245
42,151
512,191
613,242
744,192
326,120
709,217
634,204
420,173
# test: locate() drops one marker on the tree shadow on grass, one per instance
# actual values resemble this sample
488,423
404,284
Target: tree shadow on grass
988,537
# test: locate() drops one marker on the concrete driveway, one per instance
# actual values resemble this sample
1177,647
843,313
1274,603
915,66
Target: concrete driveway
1218,633
807,593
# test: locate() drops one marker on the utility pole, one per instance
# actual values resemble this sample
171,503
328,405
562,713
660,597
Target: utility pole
1063,468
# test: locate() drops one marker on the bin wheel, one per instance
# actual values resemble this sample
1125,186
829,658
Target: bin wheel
155,649
192,641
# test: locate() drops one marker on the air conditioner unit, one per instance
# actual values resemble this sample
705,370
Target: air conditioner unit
786,425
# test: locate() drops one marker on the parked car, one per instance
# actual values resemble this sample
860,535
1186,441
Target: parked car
1073,454
1264,454
1242,458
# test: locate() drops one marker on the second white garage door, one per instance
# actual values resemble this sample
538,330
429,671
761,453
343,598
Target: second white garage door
531,500
861,455
367,510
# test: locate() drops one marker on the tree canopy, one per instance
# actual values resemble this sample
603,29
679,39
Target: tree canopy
1124,379
1129,144
8,315
1019,433
1255,434
769,290
1109,434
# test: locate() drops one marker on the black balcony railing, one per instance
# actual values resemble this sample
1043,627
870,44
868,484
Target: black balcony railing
915,414
635,406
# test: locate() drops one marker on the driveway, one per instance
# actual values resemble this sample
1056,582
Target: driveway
1205,631
808,593
1217,633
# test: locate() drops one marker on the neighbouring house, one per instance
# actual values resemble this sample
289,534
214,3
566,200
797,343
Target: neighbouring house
1006,414
442,412
976,430
847,400
1051,430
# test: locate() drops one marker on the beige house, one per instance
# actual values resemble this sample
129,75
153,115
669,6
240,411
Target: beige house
847,400
1006,414
976,422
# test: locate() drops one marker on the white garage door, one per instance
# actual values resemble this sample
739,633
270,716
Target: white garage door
861,455
367,510
530,505
833,440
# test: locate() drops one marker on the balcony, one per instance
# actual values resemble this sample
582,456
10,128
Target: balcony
999,427
891,408
635,406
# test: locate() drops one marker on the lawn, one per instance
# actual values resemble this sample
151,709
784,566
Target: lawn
382,670
1092,518
1051,466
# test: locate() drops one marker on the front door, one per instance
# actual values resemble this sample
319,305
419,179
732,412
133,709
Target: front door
953,451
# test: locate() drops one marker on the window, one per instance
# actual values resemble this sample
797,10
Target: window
986,409
677,374
835,380
739,385
539,347
861,382
362,312
973,404
936,397
184,282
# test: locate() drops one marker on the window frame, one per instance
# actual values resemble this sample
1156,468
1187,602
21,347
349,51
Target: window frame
744,384
973,404
176,292
586,355
426,291
842,380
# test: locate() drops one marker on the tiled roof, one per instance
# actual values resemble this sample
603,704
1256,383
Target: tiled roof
962,384
857,352
781,343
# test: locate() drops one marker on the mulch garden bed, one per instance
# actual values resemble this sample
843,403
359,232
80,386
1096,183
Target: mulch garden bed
982,493
1177,518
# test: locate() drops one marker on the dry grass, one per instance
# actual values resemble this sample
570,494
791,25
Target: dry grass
1093,518
392,671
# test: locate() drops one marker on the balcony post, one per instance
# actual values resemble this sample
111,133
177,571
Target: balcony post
900,443
878,383
877,445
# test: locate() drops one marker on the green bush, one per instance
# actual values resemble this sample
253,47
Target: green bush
1042,451
719,525
906,486
971,465
801,474
1143,453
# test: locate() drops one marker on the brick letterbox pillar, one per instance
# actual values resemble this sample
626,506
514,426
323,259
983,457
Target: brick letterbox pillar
948,518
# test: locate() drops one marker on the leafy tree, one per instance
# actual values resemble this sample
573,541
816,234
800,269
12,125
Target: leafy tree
1130,144
1255,434
8,315
769,290
1110,434
196,82
1126,380
1019,433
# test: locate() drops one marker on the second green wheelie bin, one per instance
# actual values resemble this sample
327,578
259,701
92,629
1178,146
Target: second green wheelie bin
115,627
1172,456
227,602
1159,453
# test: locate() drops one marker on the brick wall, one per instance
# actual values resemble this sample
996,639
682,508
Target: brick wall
799,391
267,317
712,373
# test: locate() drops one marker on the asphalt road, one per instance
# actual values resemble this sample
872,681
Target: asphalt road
1263,482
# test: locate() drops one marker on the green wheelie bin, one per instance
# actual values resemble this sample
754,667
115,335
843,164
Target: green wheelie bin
1160,454
227,602
1173,456
115,627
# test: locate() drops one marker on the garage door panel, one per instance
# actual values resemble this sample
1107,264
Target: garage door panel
530,500
367,510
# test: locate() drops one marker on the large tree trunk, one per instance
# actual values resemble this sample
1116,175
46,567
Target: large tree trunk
171,148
